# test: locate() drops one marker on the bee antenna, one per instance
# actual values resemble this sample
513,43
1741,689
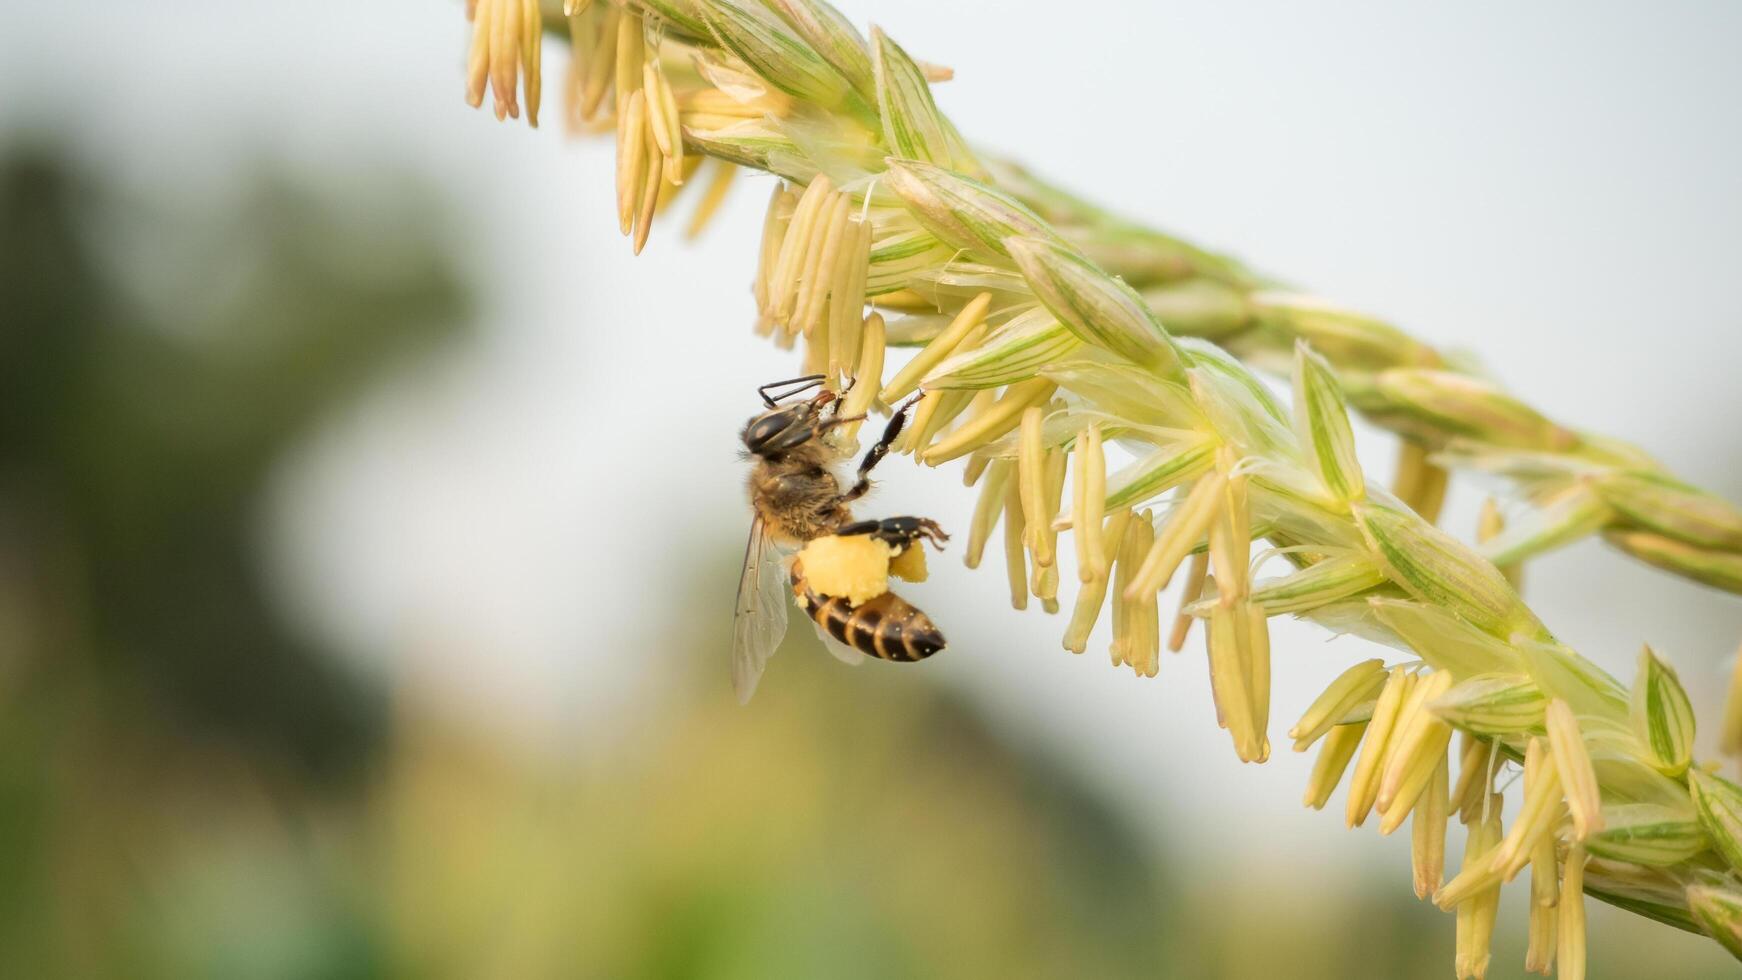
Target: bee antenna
804,383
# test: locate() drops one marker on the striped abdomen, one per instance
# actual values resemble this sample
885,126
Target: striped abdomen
887,627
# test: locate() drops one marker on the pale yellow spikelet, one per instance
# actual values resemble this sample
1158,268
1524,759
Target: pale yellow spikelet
1419,746
1570,926
575,75
1544,872
631,160
1573,762
1258,673
477,56
1544,910
822,272
1401,729
906,301
575,8
830,225
1044,582
1476,766
650,184
1539,955
1053,483
1230,536
1188,522
1428,754
1142,633
972,315
724,174
1089,503
652,83
631,55
1418,482
846,303
816,354
1536,816
987,510
1427,825
870,369
776,219
935,73
1015,564
998,419
504,56
668,116
923,410
1233,648
853,309
705,122
1473,877
1093,595
1351,687
712,102
1411,462
977,463
532,57
601,61
1193,589
1226,677
1125,558
795,248
503,17
1364,784
1031,476
950,405
1336,750
1476,914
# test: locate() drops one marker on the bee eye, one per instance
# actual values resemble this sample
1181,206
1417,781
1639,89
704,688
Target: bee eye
776,433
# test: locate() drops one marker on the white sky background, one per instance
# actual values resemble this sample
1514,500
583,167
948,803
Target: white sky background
1557,188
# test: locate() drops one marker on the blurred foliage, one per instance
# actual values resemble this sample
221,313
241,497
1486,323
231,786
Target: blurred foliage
134,448
143,666
190,787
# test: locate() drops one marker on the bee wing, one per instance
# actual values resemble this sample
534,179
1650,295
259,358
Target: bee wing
844,653
759,622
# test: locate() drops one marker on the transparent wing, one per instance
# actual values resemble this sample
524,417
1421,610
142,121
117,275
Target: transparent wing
759,622
844,653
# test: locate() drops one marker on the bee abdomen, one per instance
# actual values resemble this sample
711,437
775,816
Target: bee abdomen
887,627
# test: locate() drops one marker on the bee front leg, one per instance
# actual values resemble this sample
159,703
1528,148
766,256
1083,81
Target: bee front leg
875,454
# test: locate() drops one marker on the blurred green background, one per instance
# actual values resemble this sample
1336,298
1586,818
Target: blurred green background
368,516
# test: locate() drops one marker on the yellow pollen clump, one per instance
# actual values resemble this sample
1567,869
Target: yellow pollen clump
854,568
909,564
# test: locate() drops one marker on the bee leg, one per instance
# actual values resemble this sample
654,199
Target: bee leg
875,454
898,532
805,383
839,420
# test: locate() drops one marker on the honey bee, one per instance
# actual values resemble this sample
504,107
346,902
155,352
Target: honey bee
796,497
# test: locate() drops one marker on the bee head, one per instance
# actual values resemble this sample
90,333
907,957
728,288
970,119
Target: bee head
781,429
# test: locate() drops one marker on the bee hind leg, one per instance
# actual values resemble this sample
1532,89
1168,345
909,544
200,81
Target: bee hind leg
899,532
